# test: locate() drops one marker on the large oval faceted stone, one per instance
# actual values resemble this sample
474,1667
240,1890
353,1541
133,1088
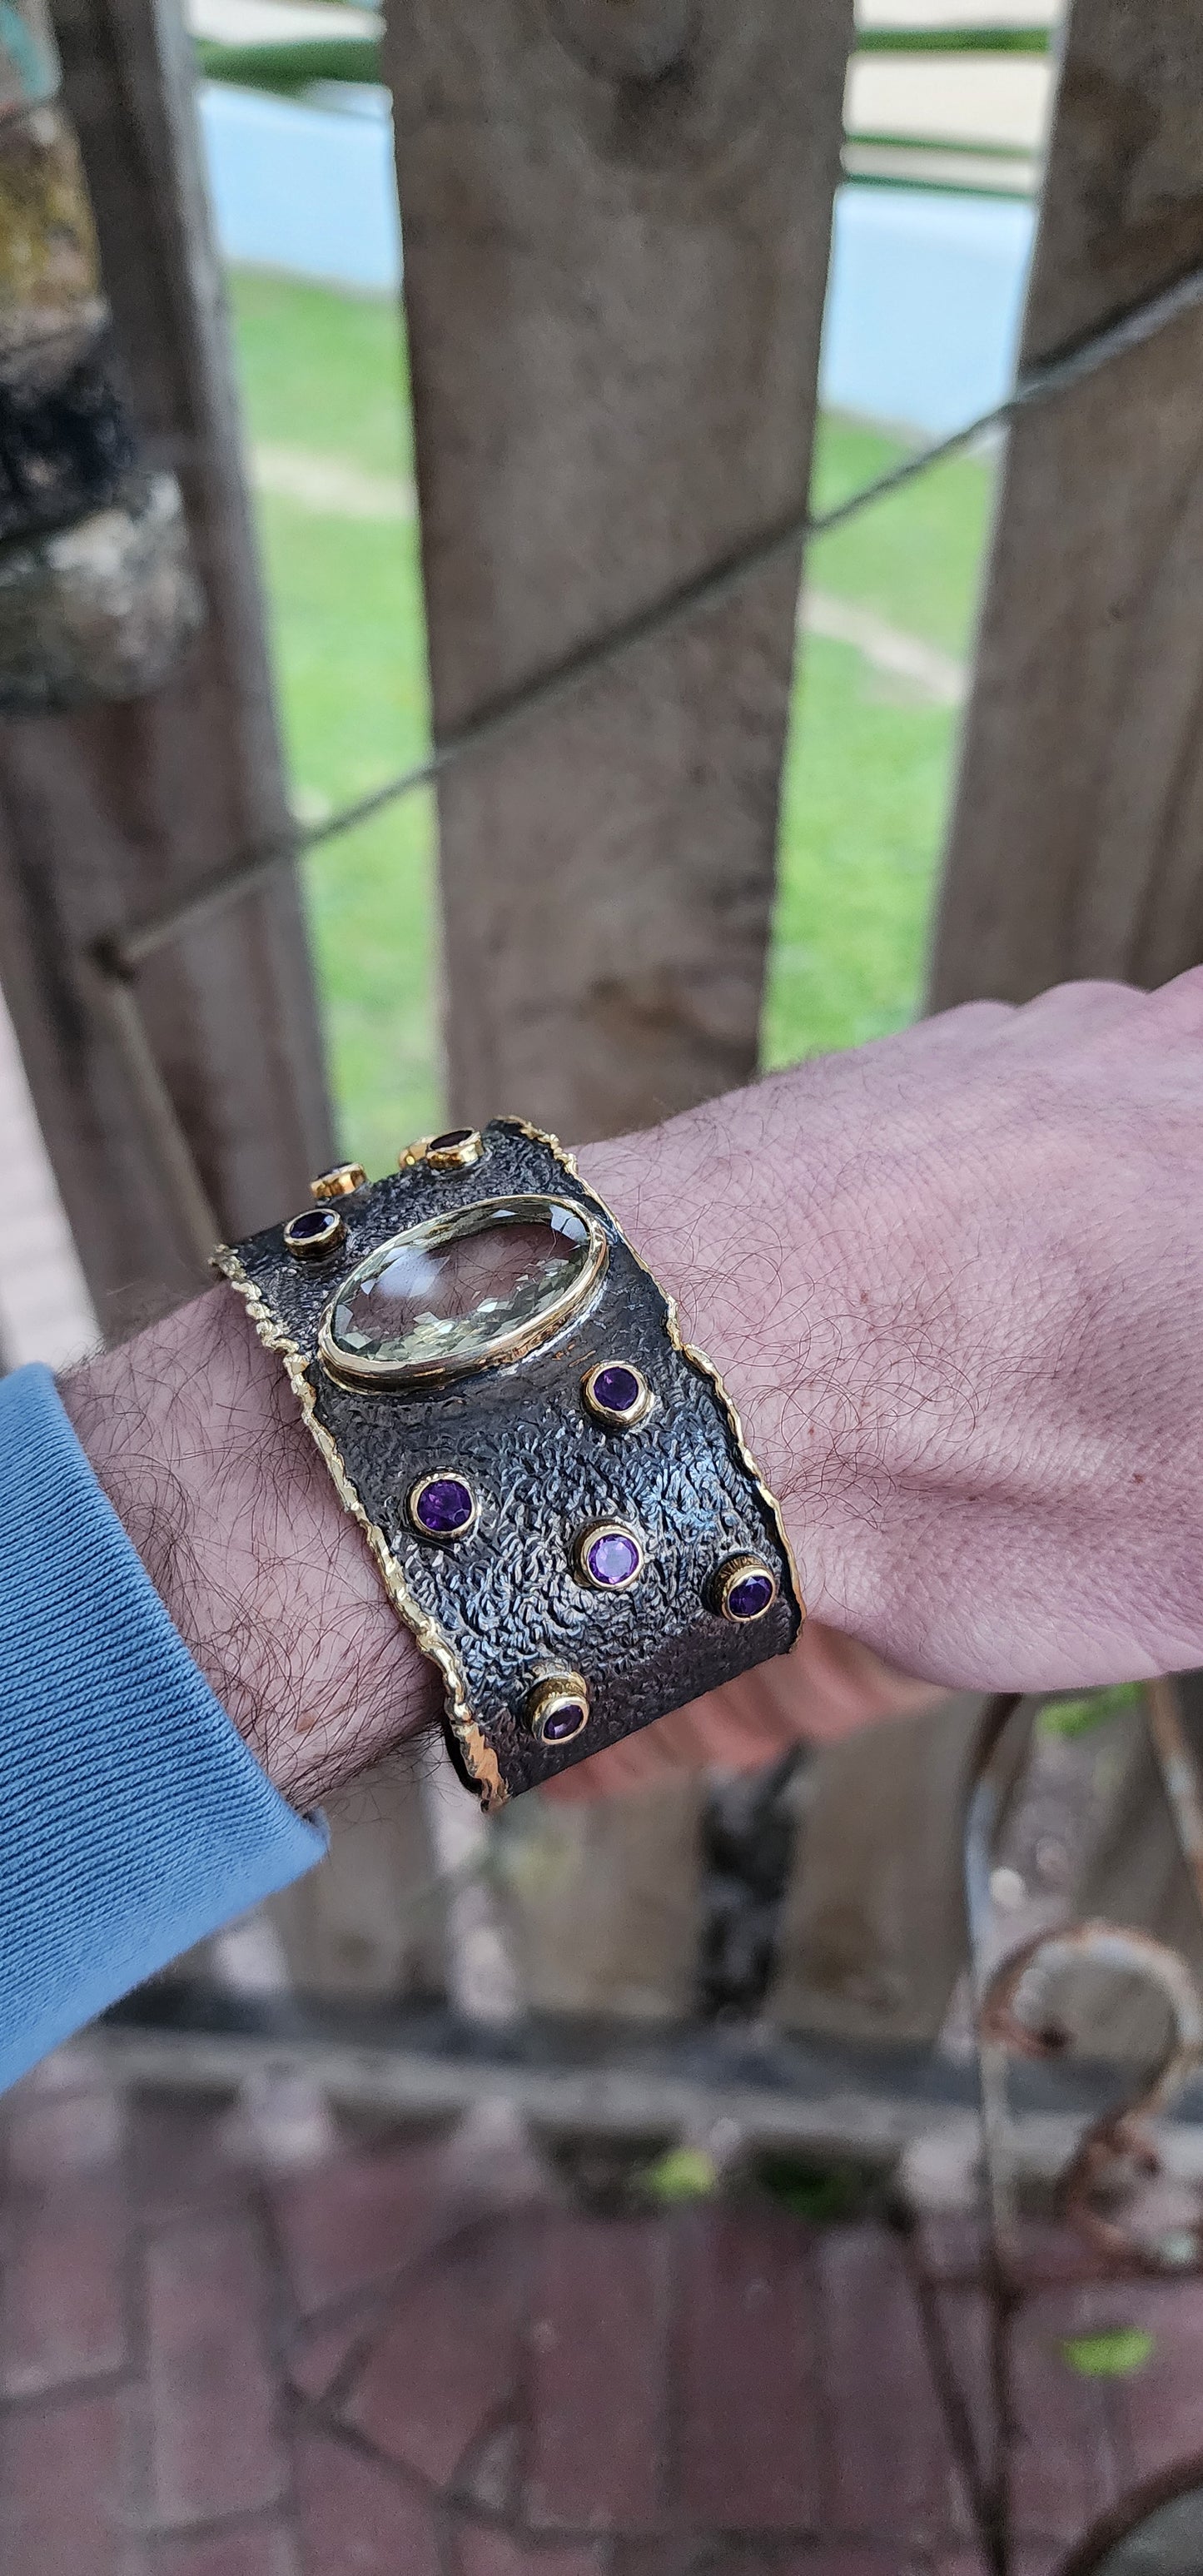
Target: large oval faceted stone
486,1282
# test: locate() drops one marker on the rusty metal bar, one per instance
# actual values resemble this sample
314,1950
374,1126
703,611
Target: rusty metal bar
1010,2020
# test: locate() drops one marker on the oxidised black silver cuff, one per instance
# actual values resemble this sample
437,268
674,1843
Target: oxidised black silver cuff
556,1489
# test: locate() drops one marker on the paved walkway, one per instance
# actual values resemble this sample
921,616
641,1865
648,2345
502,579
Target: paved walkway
213,2366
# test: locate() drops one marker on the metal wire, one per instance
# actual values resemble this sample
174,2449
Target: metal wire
124,950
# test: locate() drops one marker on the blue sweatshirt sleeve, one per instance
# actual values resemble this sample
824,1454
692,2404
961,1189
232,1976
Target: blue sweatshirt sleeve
133,1820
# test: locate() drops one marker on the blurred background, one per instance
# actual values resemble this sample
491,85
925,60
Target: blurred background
946,111
641,2188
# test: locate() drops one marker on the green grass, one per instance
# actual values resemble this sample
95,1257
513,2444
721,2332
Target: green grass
862,821
868,771
1067,1719
868,768
1113,2353
323,373
913,556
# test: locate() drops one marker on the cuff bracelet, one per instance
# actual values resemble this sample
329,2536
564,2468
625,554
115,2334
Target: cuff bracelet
555,1487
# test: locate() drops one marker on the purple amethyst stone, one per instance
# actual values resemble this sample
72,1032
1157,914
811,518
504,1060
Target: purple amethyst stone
443,1507
612,1558
616,1389
751,1596
450,1138
312,1226
565,1723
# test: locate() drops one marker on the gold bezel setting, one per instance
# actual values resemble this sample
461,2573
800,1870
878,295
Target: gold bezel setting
309,1240
459,1529
552,1701
363,1368
743,1569
455,1150
338,1182
616,1417
588,1540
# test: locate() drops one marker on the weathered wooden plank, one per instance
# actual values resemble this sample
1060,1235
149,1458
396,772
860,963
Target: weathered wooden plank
1078,826
603,1901
369,1923
873,1932
616,227
103,812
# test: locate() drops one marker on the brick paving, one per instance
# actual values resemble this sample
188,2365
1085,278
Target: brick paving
371,2367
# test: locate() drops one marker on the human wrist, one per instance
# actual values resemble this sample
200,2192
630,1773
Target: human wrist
199,1442
789,1255
196,1438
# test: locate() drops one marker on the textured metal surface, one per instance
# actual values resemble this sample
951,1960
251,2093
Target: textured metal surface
505,1601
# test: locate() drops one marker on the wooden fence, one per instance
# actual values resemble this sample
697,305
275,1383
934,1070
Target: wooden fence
617,226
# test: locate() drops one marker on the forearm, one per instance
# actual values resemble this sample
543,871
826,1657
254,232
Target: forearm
196,1437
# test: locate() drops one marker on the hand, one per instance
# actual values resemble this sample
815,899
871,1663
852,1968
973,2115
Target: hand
953,1283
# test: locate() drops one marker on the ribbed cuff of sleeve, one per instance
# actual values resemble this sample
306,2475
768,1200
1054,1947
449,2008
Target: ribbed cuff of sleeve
133,1819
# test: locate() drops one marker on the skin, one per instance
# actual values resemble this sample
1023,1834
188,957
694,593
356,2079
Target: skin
953,1282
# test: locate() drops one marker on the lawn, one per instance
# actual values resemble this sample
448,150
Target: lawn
869,759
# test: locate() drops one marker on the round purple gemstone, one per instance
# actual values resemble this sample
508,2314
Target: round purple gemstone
443,1506
616,1388
310,1227
613,1557
564,1723
447,1142
751,1596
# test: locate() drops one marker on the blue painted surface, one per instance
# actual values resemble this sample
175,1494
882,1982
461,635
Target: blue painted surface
926,290
309,190
924,304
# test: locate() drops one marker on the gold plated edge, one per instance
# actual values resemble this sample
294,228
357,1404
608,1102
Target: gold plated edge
694,1358
706,1368
543,1136
355,1372
478,1754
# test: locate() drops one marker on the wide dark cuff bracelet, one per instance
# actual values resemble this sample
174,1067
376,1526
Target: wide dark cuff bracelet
555,1487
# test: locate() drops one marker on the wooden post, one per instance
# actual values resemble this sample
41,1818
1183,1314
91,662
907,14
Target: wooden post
1077,839
602,1902
873,1933
616,217
104,812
